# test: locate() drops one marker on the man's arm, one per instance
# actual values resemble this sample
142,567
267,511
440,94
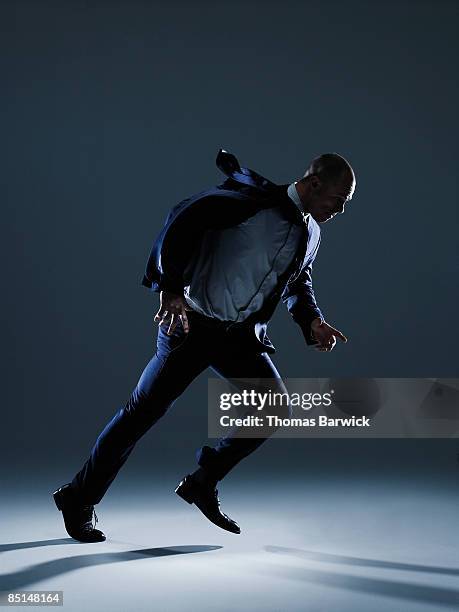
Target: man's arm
171,251
301,303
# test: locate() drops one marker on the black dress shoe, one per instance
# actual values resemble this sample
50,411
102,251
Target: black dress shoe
205,497
78,518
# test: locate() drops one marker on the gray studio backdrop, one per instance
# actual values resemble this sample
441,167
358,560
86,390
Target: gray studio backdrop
112,112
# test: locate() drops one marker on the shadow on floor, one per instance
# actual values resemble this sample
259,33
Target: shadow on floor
50,569
396,589
36,544
359,561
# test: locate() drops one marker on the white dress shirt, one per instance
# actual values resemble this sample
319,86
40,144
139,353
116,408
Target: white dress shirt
236,268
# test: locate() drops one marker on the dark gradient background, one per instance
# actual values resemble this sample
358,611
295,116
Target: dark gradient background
112,112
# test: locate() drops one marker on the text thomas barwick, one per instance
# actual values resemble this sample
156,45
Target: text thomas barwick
275,421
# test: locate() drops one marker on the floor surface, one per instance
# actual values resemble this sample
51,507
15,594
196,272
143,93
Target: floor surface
353,545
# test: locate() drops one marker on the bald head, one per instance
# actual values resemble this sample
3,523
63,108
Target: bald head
326,186
331,168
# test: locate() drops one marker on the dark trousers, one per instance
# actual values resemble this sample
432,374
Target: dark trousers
178,360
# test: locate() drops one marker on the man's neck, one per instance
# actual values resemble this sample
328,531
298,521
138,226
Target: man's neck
292,192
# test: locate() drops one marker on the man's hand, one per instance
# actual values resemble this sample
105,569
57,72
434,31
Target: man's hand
325,335
172,307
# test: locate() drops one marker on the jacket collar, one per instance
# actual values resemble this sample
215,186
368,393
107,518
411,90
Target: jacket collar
229,165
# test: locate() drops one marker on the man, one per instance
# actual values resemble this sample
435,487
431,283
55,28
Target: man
223,260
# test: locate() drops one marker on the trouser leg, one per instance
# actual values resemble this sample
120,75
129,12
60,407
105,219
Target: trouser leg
235,365
174,366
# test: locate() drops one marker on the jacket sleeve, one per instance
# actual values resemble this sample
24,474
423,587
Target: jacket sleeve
301,302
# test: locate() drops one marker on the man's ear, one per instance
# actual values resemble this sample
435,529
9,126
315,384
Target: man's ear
315,182
311,182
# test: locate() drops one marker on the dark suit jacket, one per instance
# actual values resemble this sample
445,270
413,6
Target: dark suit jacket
239,197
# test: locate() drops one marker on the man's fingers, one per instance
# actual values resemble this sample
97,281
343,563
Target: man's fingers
161,314
326,346
337,333
172,324
185,324
164,318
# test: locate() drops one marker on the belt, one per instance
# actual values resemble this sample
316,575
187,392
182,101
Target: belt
213,322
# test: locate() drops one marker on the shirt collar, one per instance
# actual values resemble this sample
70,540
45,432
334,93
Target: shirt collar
293,195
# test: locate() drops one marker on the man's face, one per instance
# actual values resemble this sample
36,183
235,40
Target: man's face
325,201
